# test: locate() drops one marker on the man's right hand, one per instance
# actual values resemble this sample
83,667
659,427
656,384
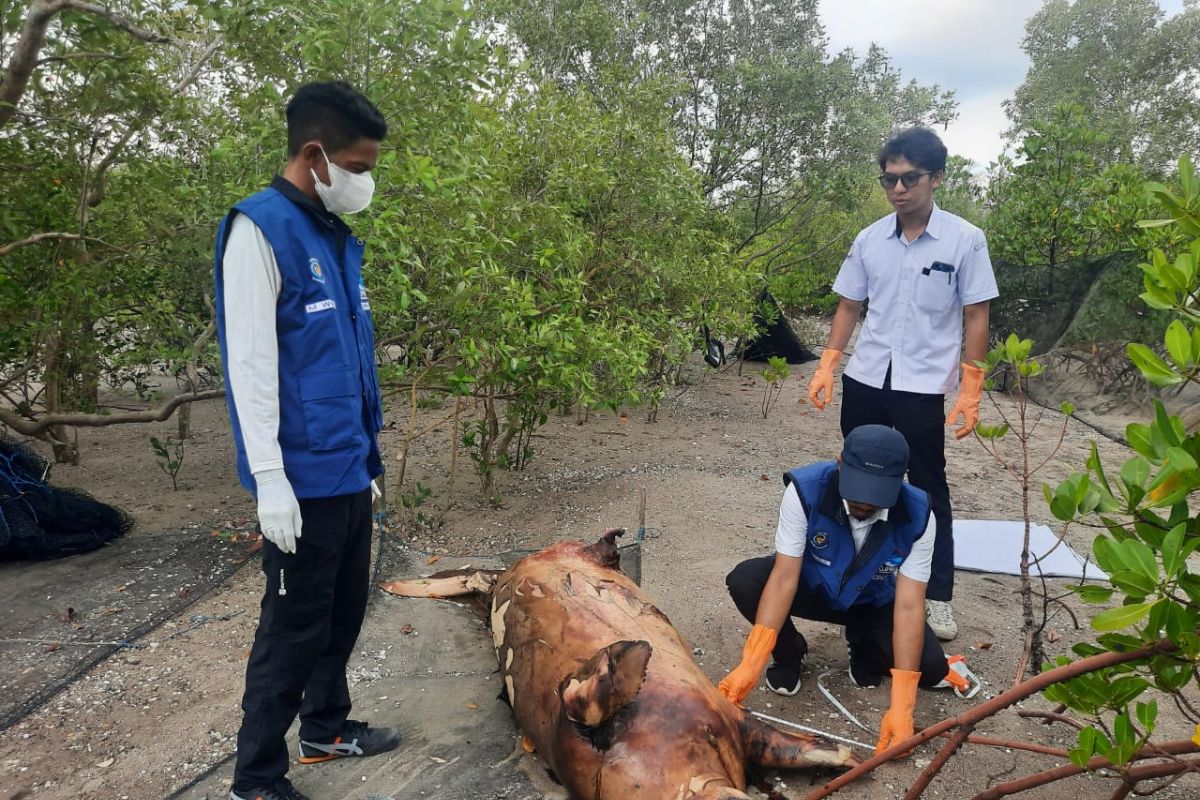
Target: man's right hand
822,379
746,675
278,510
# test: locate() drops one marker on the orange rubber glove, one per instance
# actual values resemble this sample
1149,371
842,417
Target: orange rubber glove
967,404
739,683
897,724
822,379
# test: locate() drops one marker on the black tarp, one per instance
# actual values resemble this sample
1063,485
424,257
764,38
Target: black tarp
776,338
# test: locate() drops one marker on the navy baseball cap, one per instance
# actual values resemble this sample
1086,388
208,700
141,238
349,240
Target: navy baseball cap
874,460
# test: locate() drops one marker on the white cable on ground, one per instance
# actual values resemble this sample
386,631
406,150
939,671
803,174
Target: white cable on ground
815,731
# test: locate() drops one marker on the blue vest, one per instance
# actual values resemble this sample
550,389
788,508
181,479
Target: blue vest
831,568
329,400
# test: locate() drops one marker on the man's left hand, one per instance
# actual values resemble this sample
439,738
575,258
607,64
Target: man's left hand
967,404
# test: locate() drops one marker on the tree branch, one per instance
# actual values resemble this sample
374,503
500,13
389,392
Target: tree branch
24,61
38,427
98,179
39,237
1132,776
991,707
949,749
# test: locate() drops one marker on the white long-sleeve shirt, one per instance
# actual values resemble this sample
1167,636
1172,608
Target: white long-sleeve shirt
252,284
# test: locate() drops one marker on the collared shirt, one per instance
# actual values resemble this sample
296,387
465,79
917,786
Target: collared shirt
791,535
252,285
915,294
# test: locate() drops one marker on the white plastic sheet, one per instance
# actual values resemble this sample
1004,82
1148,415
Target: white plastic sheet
995,546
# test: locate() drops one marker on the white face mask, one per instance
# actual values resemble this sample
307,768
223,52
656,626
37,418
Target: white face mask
347,192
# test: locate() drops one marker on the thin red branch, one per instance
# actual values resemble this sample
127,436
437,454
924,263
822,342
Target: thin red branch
1132,775
939,761
1050,716
1009,744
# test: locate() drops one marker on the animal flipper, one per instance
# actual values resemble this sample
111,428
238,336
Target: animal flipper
453,583
607,681
772,748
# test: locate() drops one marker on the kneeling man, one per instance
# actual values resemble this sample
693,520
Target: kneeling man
853,547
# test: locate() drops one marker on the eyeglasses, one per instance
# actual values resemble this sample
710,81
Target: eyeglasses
910,179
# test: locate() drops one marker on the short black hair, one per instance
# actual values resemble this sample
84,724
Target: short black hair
333,112
921,146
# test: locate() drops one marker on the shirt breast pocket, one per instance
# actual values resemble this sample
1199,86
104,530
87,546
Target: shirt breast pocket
332,409
935,290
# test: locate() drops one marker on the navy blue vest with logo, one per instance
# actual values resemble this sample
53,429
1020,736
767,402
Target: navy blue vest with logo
329,401
831,568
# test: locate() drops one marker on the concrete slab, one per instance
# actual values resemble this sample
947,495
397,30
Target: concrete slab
439,686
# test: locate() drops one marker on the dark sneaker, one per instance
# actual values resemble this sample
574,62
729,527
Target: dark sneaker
281,789
861,676
785,679
357,739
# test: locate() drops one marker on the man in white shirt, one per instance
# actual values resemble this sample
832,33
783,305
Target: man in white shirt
298,350
927,281
853,547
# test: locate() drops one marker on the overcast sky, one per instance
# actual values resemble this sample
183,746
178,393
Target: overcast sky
970,46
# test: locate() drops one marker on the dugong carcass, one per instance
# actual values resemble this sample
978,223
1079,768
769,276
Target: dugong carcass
607,691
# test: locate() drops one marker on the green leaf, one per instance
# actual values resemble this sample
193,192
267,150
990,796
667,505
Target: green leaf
1179,344
1106,555
1120,617
1133,583
1083,753
1124,690
1153,368
1138,556
1091,593
1140,440
1172,551
1134,474
1147,714
1180,459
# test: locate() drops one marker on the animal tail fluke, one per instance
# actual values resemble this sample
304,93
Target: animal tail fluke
454,583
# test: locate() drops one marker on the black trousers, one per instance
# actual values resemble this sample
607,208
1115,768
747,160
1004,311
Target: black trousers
312,611
868,628
921,419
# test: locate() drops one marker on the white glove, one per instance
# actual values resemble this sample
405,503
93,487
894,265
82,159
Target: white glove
278,510
375,492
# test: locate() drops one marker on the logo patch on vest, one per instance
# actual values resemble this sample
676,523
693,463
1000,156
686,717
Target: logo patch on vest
323,305
820,540
314,267
362,297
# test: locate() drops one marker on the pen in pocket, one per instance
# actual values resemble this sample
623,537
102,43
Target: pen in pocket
941,266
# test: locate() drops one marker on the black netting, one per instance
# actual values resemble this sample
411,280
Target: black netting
39,521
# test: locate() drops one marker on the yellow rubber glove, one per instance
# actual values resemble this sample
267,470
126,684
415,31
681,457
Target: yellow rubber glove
897,724
739,683
967,404
822,379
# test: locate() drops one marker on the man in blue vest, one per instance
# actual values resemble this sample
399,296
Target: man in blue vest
853,548
297,344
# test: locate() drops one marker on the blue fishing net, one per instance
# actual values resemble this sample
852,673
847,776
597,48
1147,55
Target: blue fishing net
39,521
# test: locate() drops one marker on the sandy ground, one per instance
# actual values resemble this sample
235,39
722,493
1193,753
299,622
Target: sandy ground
144,723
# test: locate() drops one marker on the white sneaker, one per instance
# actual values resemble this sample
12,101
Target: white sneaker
940,617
